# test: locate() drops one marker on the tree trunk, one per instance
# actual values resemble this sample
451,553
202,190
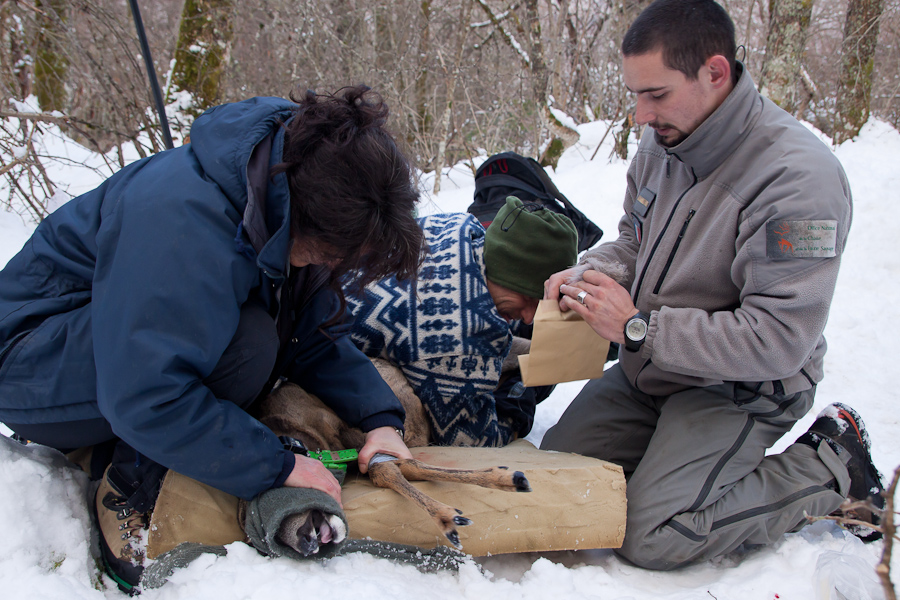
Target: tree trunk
785,45
423,118
627,12
203,50
384,42
555,135
347,27
50,62
857,63
15,75
452,73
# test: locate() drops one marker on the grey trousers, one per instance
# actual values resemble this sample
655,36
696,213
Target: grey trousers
699,482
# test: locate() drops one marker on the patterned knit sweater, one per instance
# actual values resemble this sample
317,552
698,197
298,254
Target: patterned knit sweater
450,341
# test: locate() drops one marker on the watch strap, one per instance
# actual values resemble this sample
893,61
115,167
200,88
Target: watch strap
635,345
293,445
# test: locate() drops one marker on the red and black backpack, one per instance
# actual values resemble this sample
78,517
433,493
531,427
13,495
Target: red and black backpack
511,174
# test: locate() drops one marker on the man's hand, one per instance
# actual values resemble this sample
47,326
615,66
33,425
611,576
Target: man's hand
383,440
607,305
552,285
311,473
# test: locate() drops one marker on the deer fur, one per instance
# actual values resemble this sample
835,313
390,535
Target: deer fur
291,411
614,269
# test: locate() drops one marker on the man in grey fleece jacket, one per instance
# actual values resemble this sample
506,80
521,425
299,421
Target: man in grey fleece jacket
735,220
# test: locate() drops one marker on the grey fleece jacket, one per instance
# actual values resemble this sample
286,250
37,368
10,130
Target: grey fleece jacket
733,239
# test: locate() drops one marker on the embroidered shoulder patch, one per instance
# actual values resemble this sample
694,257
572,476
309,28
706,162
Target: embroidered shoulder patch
800,239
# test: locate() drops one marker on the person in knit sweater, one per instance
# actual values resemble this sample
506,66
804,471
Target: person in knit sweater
451,334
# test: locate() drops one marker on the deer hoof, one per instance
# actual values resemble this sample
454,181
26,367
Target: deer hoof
453,536
462,521
521,482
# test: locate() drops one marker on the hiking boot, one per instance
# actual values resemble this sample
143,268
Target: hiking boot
843,429
122,536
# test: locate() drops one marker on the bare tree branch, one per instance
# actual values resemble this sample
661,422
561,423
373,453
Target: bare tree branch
509,38
883,570
888,529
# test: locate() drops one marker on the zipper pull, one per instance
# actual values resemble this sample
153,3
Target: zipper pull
668,163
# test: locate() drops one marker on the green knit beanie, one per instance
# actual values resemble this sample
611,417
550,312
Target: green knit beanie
526,244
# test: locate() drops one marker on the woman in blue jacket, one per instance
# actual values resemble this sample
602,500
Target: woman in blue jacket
154,309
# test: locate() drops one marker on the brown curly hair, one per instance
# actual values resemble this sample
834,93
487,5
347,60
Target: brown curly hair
352,189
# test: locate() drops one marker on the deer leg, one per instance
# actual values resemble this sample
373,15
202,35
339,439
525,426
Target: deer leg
497,478
387,475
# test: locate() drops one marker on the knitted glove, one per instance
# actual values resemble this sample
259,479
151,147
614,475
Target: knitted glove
265,515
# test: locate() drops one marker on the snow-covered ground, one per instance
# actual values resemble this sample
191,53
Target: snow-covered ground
44,545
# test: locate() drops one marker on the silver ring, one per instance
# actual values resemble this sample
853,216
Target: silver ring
581,296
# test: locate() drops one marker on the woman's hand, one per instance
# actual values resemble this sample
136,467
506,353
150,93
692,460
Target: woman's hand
311,473
383,440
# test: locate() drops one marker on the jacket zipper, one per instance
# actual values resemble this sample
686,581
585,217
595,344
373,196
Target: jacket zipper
315,283
637,290
313,286
674,250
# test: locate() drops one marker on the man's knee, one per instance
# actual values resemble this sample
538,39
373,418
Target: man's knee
553,441
575,429
655,540
655,537
640,550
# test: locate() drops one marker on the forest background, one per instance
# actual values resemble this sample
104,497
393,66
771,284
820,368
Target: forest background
463,77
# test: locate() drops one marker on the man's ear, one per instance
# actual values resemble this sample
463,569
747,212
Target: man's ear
719,70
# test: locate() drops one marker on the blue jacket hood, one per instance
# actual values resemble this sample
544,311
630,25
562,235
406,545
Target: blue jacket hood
224,137
236,145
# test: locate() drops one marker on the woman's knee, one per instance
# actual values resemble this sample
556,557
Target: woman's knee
249,359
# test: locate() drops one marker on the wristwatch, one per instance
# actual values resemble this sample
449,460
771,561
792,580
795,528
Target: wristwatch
293,445
636,331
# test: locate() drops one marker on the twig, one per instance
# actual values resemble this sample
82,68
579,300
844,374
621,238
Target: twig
845,521
883,569
848,507
887,528
508,37
68,121
9,167
31,7
603,139
45,117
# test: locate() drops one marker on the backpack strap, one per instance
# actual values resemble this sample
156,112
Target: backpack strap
509,181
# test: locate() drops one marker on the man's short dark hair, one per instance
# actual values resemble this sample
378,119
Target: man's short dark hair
687,31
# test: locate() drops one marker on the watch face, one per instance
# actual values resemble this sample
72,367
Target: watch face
636,329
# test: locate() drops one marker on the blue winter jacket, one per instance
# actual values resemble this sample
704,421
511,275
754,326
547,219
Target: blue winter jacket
126,297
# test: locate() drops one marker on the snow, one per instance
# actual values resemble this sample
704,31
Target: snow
45,550
564,119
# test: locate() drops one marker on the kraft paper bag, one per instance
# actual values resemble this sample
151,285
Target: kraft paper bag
190,511
577,503
563,348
